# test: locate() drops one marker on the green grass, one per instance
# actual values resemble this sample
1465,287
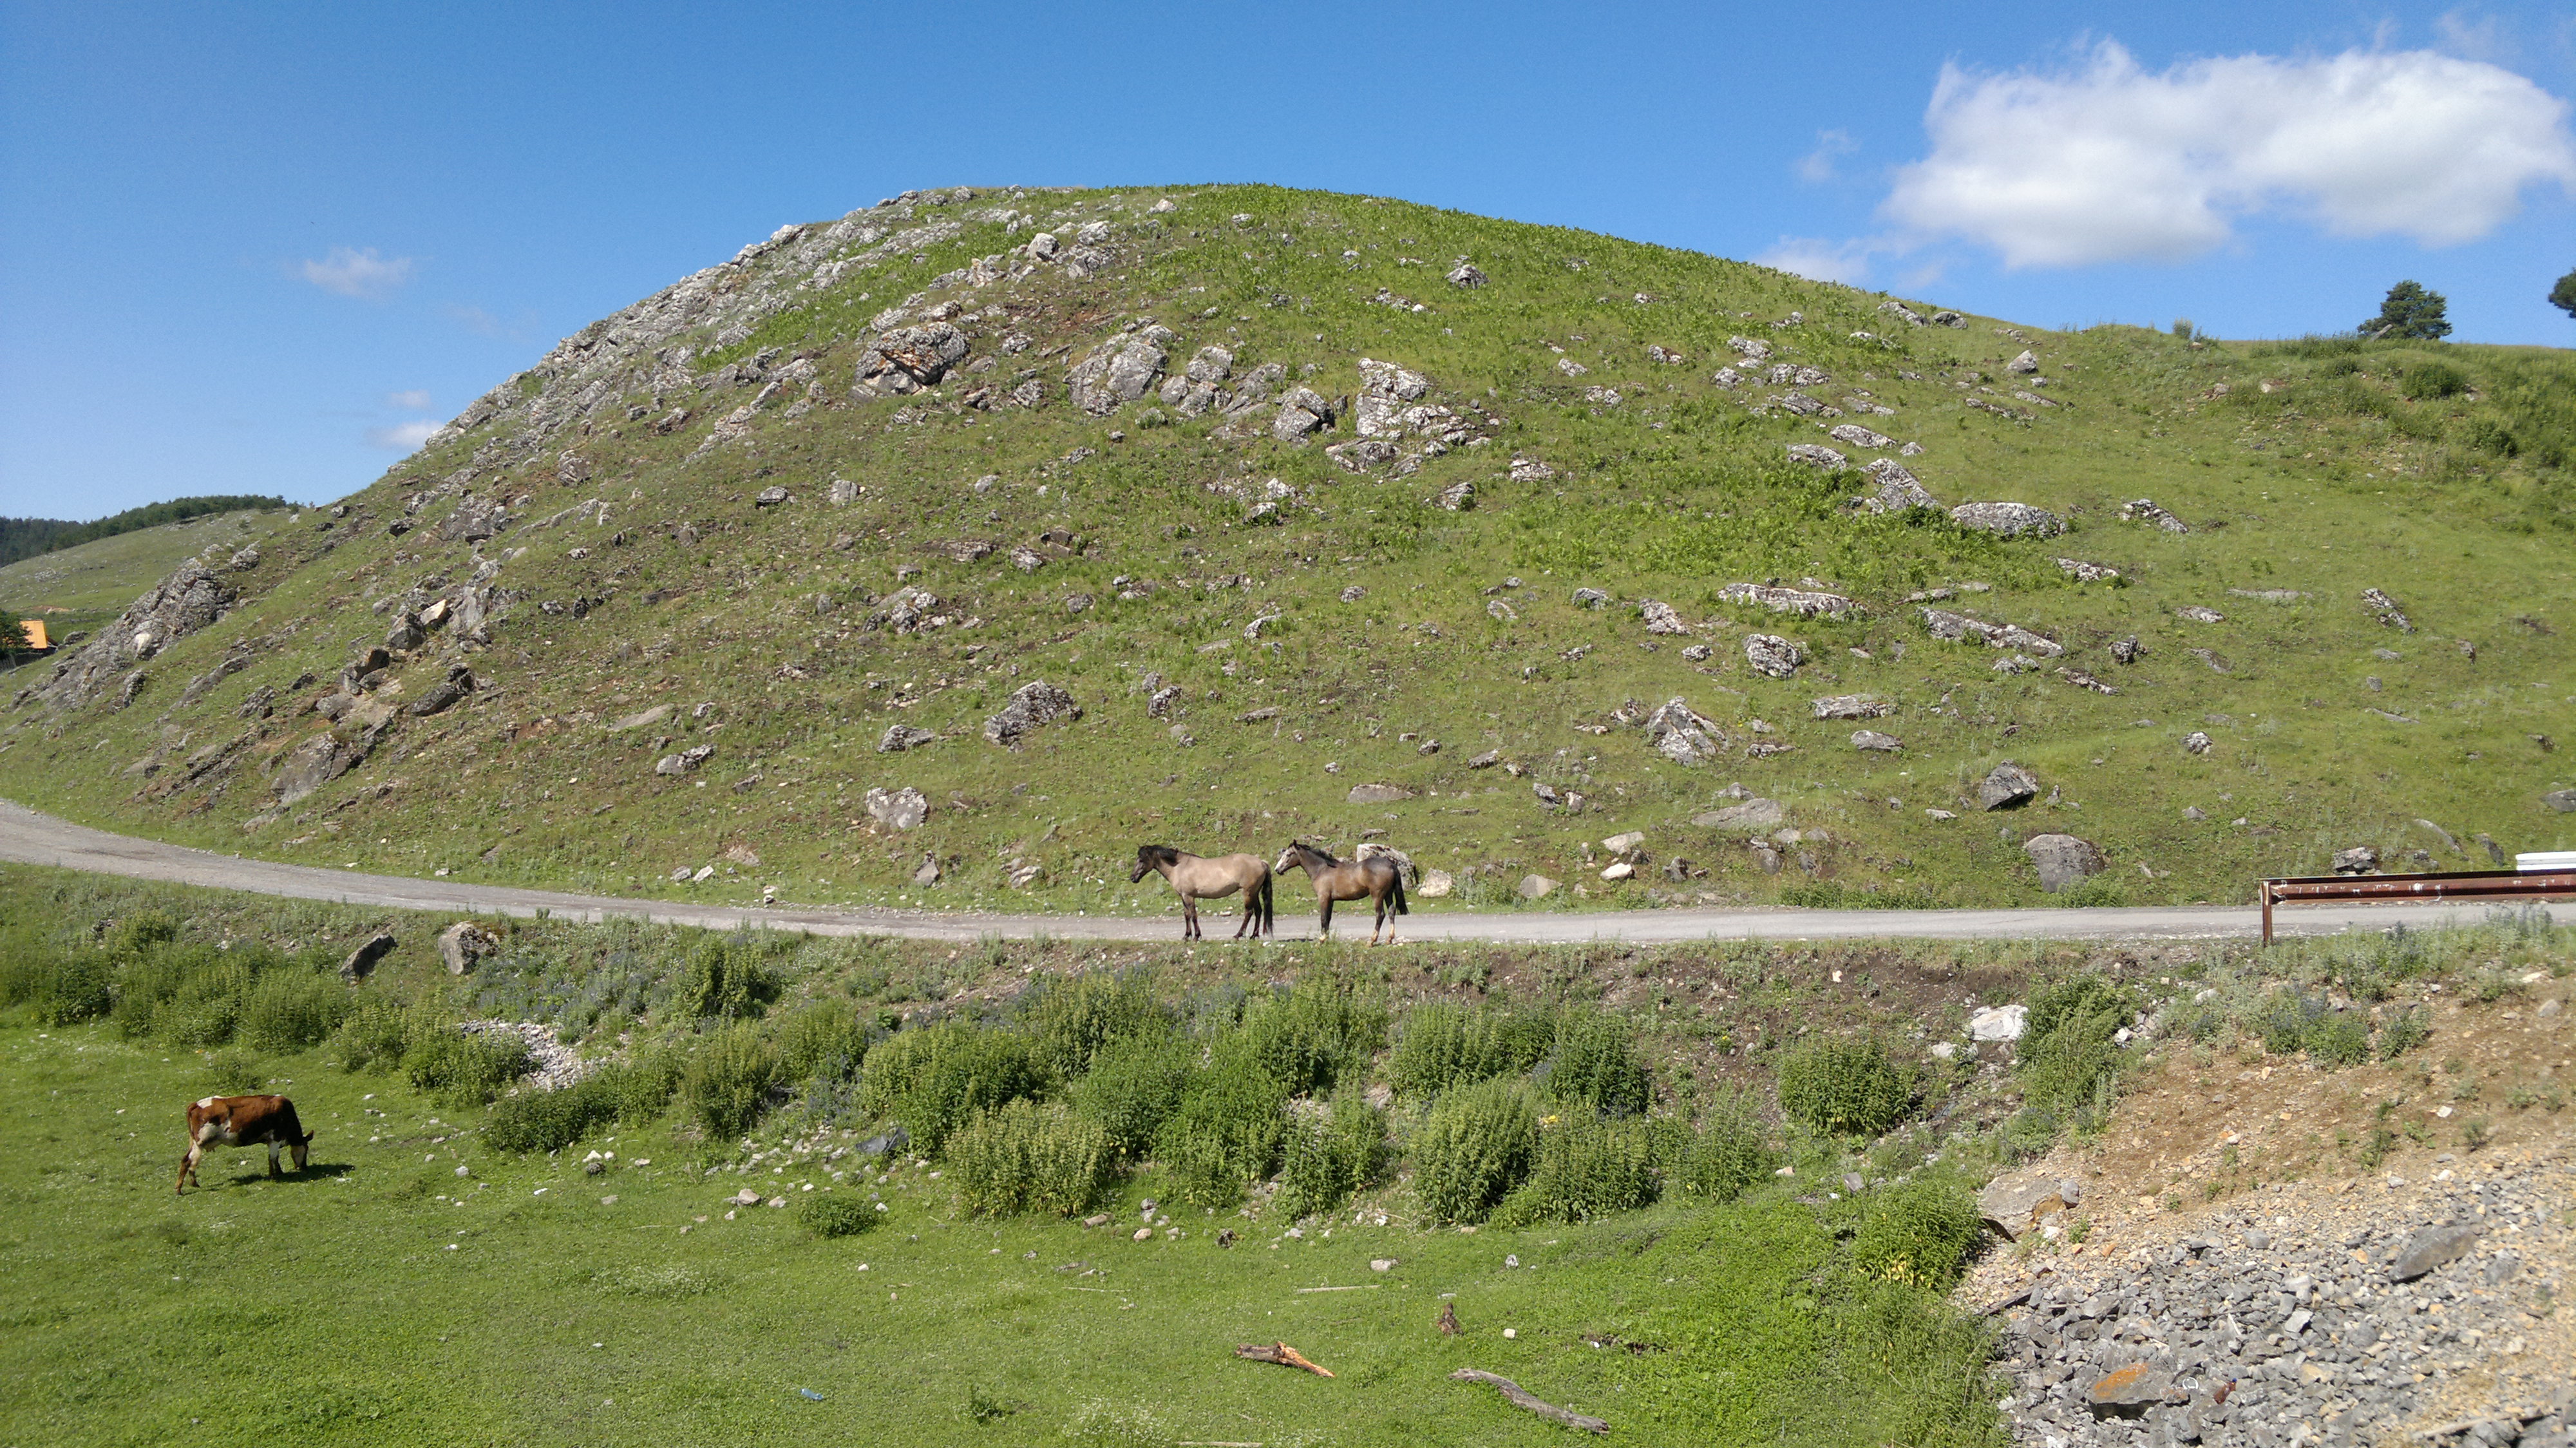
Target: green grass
2355,470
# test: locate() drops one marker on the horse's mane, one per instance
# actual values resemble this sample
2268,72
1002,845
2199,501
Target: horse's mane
1317,851
1158,853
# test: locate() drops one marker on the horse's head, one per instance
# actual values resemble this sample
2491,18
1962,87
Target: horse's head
1151,857
1287,861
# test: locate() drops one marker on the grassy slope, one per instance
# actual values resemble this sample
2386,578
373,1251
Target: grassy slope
2333,482
76,589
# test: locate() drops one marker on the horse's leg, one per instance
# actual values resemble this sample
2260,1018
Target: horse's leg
1251,913
1324,926
1189,917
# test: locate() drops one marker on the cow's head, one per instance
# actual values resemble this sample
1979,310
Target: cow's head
303,1149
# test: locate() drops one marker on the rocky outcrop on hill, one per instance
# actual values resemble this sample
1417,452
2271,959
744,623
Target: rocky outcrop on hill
178,606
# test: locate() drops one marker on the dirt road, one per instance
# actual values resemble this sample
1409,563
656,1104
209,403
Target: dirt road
30,837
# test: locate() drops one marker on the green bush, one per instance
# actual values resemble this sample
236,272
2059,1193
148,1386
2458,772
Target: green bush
370,1035
1308,1038
1447,1045
207,990
1916,1232
1474,1148
1728,1155
726,979
2284,1019
1845,1088
1132,1087
60,987
1329,1157
459,1069
2067,1054
1075,1018
729,1080
1030,1158
1587,1168
1594,1066
2428,380
1224,1134
934,1078
825,1042
233,1071
291,1009
2338,1039
2404,1032
534,1121
829,1214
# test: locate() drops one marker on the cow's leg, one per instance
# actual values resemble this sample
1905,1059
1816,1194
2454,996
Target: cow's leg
188,1165
272,1159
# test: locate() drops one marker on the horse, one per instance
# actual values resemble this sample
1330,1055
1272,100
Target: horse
1376,880
1196,877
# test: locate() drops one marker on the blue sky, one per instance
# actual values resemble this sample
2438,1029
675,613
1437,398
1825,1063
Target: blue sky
256,249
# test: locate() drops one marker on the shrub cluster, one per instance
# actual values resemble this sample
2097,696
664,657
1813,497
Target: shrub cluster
1031,1158
1330,1156
1845,1087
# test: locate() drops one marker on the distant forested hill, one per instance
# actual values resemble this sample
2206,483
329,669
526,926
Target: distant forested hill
27,537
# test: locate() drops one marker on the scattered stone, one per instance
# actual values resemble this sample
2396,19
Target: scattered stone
1660,618
2016,1205
2387,610
1805,603
1591,598
1465,274
686,761
2083,572
2130,1391
2194,613
2196,742
1773,655
2128,650
1120,370
1751,814
2431,1248
2009,520
2144,510
1898,488
769,497
1998,1023
362,961
1852,706
2007,787
901,809
928,874
1378,794
900,737
2359,860
1033,705
1535,887
1682,736
1870,740
1817,455
2063,860
462,945
2026,363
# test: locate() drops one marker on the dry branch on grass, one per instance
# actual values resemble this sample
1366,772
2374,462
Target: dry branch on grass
1513,1394
1282,1354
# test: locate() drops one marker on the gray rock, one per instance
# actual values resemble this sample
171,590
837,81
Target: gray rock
2016,1204
2387,611
1773,655
1118,371
2144,510
1861,437
186,601
1384,390
1999,1023
473,520
247,558
1805,603
1378,794
1535,887
1301,412
462,945
1852,706
1660,617
685,761
2561,800
2130,1391
2501,1268
1872,741
1817,455
901,809
2359,860
1898,488
2128,650
2432,1248
1751,814
1682,736
769,497
2063,860
362,961
2008,786
2026,363
2010,520
1464,274
1035,704
928,874
2083,572
2196,742
1595,598
900,737
2195,613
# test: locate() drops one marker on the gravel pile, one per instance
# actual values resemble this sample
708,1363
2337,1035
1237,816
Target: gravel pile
2378,1311
556,1064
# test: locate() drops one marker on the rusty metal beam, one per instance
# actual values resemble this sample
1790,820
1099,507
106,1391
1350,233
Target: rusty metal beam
2463,885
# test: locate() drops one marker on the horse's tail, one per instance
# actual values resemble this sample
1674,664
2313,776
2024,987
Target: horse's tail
1400,907
1266,914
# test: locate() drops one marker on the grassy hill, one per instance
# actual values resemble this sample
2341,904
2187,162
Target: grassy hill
77,588
886,471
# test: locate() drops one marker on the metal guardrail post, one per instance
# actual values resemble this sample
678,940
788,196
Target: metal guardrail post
2456,886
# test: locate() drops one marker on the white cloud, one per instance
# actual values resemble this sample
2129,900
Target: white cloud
1820,260
352,272
2109,163
1818,165
402,436
414,399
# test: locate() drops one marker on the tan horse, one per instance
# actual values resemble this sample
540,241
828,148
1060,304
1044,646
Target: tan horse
1196,877
1376,880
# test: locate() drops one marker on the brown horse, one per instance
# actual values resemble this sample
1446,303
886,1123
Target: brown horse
1376,880
1195,878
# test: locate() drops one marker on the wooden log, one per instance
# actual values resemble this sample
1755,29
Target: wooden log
1282,1354
1513,1393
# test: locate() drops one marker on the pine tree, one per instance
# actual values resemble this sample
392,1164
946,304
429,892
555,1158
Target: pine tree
2563,295
2411,313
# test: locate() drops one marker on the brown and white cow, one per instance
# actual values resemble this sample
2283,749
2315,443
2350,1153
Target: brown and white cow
243,1121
